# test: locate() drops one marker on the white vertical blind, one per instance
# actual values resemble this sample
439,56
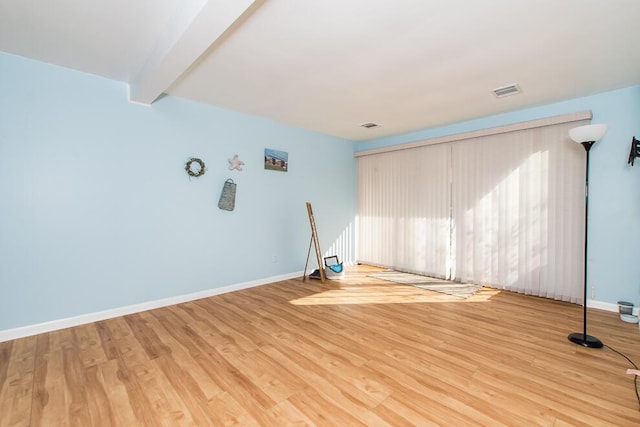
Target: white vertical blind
504,210
404,209
518,212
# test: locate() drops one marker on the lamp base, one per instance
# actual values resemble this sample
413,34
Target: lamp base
585,340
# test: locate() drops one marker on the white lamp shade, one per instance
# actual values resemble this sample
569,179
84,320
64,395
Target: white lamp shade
588,133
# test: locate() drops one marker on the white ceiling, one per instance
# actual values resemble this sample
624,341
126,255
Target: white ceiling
332,65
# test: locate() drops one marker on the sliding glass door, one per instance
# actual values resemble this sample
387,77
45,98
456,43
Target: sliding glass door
504,210
404,209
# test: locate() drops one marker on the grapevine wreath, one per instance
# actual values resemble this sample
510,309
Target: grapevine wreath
198,171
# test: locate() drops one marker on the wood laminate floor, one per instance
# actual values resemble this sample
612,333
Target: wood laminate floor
359,351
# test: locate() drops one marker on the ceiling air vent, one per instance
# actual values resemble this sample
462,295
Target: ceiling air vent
506,90
370,125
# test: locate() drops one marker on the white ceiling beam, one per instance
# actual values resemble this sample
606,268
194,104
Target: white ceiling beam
198,26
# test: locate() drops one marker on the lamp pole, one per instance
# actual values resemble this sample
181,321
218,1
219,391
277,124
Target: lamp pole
587,136
582,338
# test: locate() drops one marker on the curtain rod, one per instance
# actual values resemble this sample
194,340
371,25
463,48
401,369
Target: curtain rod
547,121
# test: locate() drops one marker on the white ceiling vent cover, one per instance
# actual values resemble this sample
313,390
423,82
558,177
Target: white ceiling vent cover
507,90
370,125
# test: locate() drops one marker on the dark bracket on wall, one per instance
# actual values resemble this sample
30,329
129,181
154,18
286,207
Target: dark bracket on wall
635,150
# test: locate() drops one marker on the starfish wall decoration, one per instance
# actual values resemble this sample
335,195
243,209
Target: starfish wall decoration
235,163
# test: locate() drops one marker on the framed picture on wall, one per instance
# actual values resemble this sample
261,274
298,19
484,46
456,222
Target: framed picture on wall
276,160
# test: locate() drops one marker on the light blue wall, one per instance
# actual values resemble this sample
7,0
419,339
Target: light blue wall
97,212
614,200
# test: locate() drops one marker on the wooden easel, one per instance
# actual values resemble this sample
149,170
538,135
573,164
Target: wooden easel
316,242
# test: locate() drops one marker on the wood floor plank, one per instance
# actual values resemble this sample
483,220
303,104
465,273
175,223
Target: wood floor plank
6,349
343,394
16,389
284,413
98,405
90,348
359,351
410,382
75,385
230,379
186,391
146,336
53,400
172,333
131,367
121,402
272,375
40,397
313,405
60,399
226,315
227,411
397,414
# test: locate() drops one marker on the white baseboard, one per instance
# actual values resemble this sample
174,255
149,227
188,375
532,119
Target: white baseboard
54,325
40,328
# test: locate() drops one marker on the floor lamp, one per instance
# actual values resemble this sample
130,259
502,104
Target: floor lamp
587,136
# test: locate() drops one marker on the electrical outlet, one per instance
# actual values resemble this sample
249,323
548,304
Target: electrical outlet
274,259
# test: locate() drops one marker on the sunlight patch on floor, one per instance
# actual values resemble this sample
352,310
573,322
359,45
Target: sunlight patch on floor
387,294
